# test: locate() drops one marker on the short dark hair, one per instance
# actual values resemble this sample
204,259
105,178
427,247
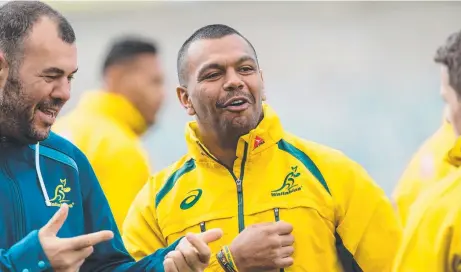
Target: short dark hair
16,21
215,31
126,48
449,55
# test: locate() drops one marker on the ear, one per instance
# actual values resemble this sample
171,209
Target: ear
184,99
263,90
4,70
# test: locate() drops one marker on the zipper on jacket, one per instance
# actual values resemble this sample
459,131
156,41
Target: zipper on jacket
202,227
240,204
238,182
277,214
277,218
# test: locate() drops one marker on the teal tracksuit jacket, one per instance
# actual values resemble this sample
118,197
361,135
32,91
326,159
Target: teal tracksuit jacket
34,181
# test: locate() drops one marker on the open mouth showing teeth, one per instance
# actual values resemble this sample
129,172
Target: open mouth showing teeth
237,102
49,112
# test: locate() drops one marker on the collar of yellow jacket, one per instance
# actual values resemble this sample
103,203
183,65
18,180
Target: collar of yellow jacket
454,154
267,133
116,107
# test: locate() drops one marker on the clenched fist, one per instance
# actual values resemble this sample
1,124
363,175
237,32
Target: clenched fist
261,247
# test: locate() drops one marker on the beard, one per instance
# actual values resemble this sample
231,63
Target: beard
243,124
17,112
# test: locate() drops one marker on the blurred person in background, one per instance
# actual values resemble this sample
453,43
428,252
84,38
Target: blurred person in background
432,235
429,165
107,124
282,202
54,214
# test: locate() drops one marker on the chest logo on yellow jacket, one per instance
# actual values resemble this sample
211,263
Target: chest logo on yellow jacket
289,183
60,194
190,200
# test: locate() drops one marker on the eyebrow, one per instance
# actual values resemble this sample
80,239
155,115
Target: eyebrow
54,70
210,66
246,58
220,67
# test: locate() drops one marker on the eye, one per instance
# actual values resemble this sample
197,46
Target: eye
246,69
50,78
212,75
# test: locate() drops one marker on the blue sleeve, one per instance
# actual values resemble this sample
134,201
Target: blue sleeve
25,255
110,256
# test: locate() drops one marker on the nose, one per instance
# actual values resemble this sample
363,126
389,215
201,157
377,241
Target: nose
233,82
61,91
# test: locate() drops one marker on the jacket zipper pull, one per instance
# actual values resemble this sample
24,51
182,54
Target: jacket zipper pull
276,214
202,227
239,185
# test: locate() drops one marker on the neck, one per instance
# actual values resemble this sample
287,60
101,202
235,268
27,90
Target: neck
118,90
11,132
6,128
133,103
222,145
7,137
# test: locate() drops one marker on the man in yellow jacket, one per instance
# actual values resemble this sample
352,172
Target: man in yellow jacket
281,201
432,237
106,124
428,165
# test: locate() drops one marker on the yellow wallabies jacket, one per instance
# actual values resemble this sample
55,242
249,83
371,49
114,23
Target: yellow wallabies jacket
106,127
429,165
432,236
337,211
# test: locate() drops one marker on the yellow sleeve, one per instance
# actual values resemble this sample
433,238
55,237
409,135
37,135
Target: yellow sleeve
427,166
122,171
141,234
368,232
408,188
432,241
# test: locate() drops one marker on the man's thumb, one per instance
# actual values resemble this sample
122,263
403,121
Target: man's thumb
211,235
56,222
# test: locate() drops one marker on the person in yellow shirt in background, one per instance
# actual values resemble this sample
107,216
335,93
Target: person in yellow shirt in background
107,124
281,201
432,237
428,165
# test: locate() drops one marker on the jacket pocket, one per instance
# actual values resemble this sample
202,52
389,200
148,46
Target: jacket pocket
314,243
178,229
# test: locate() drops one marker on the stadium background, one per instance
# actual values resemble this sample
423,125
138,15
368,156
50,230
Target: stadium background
357,76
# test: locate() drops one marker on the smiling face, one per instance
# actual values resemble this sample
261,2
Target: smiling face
225,88
35,92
